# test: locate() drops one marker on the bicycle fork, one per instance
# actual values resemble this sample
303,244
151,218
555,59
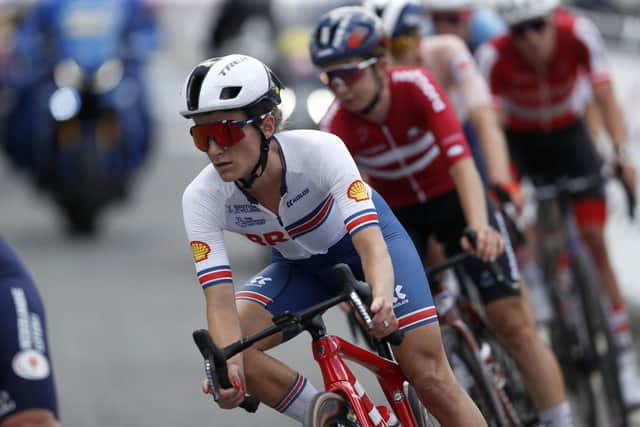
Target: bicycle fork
338,378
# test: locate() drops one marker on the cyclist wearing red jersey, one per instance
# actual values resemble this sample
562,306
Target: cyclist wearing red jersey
449,61
300,193
405,137
537,74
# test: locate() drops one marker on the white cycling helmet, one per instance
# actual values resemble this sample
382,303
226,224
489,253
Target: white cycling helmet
447,5
516,11
231,82
399,17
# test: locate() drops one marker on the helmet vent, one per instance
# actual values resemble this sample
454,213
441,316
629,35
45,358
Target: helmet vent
195,84
230,92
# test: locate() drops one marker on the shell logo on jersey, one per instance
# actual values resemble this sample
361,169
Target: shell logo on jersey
200,250
31,365
358,191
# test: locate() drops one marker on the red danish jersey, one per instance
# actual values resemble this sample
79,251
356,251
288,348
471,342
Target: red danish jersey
406,159
533,101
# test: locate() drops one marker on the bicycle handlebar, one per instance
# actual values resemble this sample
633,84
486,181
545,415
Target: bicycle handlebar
360,295
215,367
216,357
494,267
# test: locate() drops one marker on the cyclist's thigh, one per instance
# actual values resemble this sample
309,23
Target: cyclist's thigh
479,271
412,301
413,219
31,418
281,286
26,380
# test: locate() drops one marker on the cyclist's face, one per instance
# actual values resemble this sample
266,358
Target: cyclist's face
356,92
234,159
535,40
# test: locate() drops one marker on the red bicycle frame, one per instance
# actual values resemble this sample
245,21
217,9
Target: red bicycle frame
329,352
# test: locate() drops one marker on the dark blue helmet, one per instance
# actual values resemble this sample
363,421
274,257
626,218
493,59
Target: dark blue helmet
347,32
399,17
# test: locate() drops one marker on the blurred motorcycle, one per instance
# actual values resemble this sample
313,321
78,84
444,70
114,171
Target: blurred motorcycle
81,124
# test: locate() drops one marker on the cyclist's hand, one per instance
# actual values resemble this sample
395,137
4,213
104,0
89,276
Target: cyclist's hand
627,174
508,192
489,243
230,397
384,319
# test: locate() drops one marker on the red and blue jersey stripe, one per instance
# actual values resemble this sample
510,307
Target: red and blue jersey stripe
361,220
215,276
313,220
255,297
418,318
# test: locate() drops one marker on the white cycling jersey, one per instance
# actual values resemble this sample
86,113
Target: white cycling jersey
451,63
322,198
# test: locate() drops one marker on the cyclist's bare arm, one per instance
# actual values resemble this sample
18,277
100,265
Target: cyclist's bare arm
494,145
378,271
613,119
31,418
472,197
224,326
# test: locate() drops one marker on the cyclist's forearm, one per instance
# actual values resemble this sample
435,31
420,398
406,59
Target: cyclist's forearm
612,114
222,316
492,141
471,192
376,262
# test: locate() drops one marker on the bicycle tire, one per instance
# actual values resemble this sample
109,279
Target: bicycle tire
602,338
328,409
576,359
470,374
518,405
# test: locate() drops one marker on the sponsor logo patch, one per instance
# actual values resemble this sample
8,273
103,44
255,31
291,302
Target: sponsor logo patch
358,191
200,250
31,365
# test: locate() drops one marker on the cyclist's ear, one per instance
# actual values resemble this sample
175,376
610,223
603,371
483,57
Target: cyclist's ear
268,126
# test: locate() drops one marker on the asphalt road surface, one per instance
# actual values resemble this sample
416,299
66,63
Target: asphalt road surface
121,308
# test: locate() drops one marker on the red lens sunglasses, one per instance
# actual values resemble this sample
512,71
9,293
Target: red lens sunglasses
225,133
346,74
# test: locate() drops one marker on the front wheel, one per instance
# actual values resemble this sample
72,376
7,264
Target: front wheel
330,410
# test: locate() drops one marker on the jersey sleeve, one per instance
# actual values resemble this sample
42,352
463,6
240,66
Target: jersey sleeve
466,76
487,57
431,102
203,224
594,57
341,177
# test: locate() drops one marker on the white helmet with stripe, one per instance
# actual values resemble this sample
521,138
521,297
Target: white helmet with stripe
516,11
232,82
447,5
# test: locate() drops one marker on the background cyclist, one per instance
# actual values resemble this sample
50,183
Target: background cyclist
300,193
27,390
449,61
463,18
407,140
536,71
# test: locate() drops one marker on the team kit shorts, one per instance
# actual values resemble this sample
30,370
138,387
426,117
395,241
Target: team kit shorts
546,157
26,379
297,284
443,218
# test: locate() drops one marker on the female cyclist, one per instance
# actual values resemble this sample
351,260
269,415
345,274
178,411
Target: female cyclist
405,137
537,71
300,193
